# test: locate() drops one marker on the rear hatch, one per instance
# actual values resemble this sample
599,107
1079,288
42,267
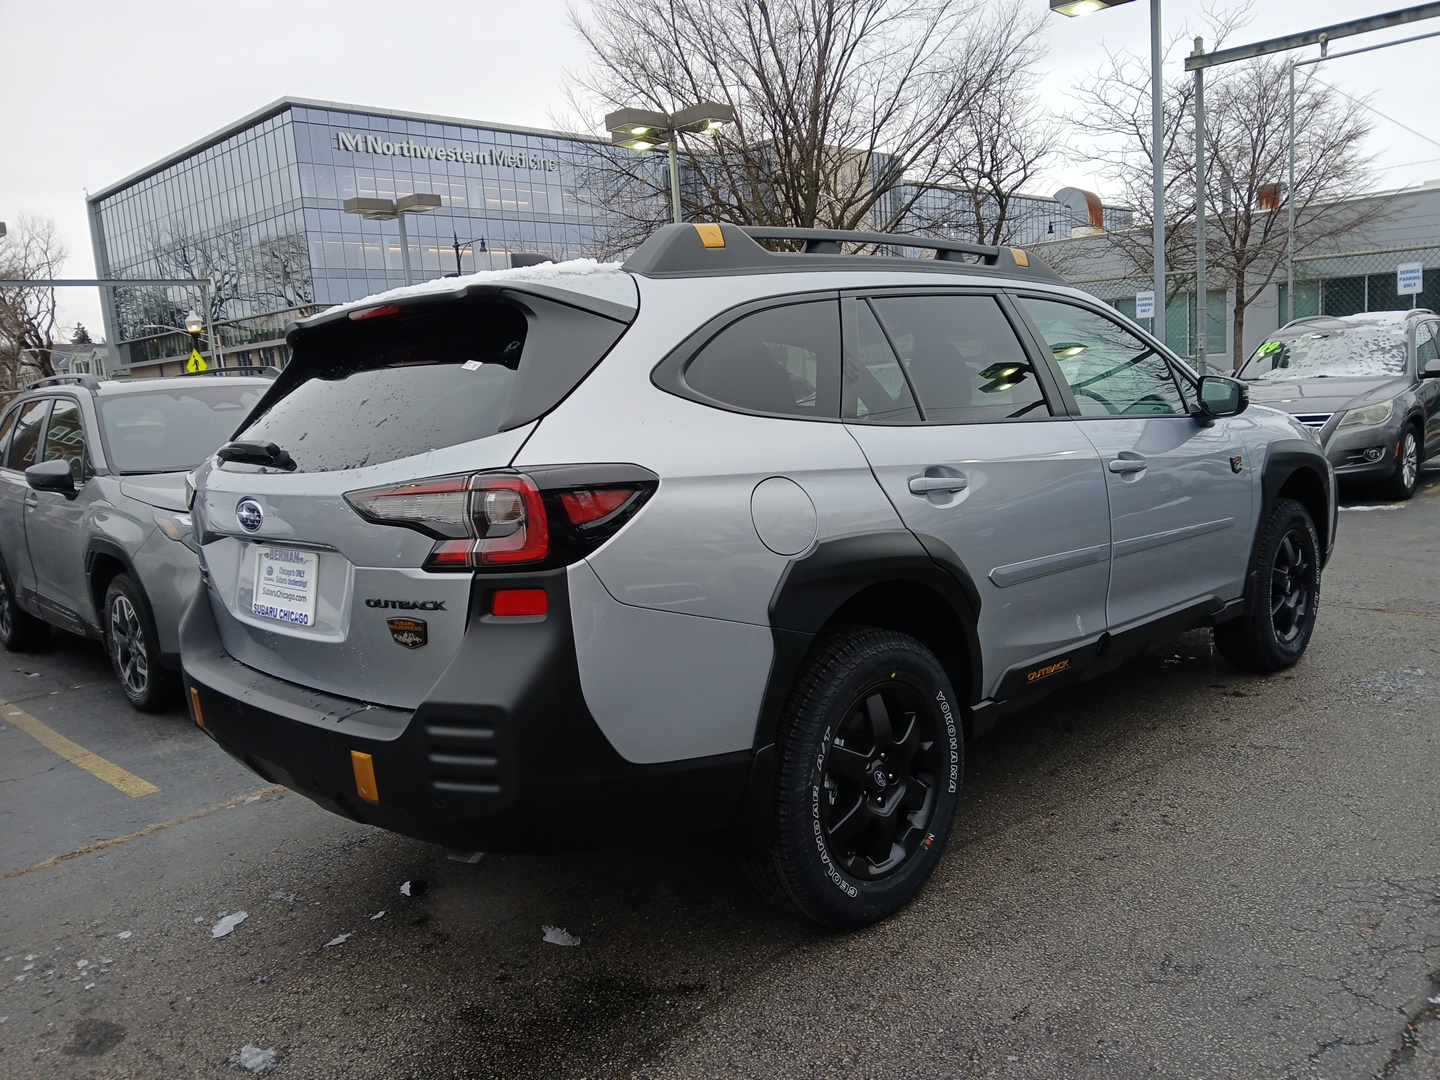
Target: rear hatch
338,528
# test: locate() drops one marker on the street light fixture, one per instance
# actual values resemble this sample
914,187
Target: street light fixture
645,129
1157,140
194,326
466,243
372,209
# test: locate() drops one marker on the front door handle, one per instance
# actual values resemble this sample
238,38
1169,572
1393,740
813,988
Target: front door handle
1129,463
924,485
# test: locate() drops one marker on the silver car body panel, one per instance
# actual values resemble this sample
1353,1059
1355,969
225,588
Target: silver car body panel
1042,584
350,649
664,686
1186,506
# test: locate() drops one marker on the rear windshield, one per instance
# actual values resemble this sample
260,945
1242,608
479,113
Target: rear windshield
361,392
171,430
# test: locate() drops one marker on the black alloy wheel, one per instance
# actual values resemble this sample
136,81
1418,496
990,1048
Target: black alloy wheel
870,760
880,776
1282,595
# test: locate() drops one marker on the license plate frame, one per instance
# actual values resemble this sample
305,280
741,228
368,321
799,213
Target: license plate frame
286,585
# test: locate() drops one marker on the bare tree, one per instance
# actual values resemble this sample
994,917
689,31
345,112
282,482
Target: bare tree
1246,153
847,110
29,315
1000,145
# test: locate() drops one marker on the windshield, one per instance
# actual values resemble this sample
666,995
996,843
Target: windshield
171,430
1373,351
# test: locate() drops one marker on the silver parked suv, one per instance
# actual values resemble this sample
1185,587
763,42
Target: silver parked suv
93,518
724,538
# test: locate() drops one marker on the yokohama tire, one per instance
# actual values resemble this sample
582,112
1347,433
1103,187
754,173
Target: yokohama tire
1282,595
870,762
134,648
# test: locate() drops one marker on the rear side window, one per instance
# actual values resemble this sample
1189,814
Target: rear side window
25,446
6,426
360,392
962,358
784,361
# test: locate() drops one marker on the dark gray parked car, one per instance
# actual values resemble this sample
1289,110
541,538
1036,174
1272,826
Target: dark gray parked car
93,518
1368,385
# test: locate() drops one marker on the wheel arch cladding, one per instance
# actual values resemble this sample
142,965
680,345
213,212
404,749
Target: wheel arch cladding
1293,474
887,579
104,562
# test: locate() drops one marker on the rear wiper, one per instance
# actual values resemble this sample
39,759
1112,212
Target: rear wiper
257,453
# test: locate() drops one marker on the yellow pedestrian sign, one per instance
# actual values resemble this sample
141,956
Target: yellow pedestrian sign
196,362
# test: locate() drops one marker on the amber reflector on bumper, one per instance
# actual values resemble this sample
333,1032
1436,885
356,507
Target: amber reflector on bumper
364,766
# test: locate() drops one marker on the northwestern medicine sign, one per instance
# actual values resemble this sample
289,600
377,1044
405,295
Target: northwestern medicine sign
374,144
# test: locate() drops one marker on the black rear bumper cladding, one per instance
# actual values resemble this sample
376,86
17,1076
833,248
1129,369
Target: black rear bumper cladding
503,754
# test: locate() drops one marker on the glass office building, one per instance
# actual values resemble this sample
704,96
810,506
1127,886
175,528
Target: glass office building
257,211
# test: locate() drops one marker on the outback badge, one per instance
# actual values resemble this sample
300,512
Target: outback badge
409,633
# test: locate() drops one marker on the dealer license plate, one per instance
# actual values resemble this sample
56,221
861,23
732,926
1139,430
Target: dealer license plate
285,585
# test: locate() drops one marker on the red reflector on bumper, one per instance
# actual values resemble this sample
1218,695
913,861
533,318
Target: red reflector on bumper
520,602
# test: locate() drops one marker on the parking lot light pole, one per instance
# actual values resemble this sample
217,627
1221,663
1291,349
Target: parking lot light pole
1073,8
645,129
394,209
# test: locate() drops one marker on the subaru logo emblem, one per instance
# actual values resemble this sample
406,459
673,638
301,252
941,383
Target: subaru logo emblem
880,779
249,514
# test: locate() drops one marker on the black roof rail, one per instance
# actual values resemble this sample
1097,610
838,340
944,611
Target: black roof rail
89,382
698,249
268,371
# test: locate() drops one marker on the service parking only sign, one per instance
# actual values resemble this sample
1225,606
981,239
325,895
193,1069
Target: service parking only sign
1145,305
1409,279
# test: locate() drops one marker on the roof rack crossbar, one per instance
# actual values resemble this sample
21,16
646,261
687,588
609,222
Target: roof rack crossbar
89,382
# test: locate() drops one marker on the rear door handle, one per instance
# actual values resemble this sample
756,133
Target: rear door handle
1129,463
923,485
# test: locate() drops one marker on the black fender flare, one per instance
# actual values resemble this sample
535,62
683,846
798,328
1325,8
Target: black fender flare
1284,460
809,594
100,545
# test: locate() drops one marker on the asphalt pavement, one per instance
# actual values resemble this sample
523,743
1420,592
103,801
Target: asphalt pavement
1178,870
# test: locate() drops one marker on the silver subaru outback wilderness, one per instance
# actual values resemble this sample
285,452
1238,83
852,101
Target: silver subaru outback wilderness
724,538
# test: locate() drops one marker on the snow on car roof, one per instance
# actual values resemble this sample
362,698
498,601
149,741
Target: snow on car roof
582,275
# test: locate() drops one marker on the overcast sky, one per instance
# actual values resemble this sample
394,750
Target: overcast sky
95,90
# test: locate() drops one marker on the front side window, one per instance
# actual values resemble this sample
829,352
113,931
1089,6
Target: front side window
65,439
784,361
1110,371
962,358
1427,348
25,444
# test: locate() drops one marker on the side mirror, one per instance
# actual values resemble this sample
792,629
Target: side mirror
1222,396
52,476
1431,370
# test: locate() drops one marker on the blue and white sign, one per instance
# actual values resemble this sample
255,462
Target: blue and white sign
1145,305
1409,279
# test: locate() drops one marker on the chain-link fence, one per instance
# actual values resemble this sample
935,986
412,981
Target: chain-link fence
1351,282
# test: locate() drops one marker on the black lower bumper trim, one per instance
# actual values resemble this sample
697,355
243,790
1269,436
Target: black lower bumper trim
503,754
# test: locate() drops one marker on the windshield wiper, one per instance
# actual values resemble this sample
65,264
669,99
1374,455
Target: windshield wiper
257,453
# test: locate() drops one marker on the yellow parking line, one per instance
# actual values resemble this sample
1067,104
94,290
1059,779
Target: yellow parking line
76,754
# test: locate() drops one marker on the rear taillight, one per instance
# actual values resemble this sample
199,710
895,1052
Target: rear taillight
549,517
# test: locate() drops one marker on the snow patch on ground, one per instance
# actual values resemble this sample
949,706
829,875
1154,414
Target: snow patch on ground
253,1058
228,923
556,935
339,939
